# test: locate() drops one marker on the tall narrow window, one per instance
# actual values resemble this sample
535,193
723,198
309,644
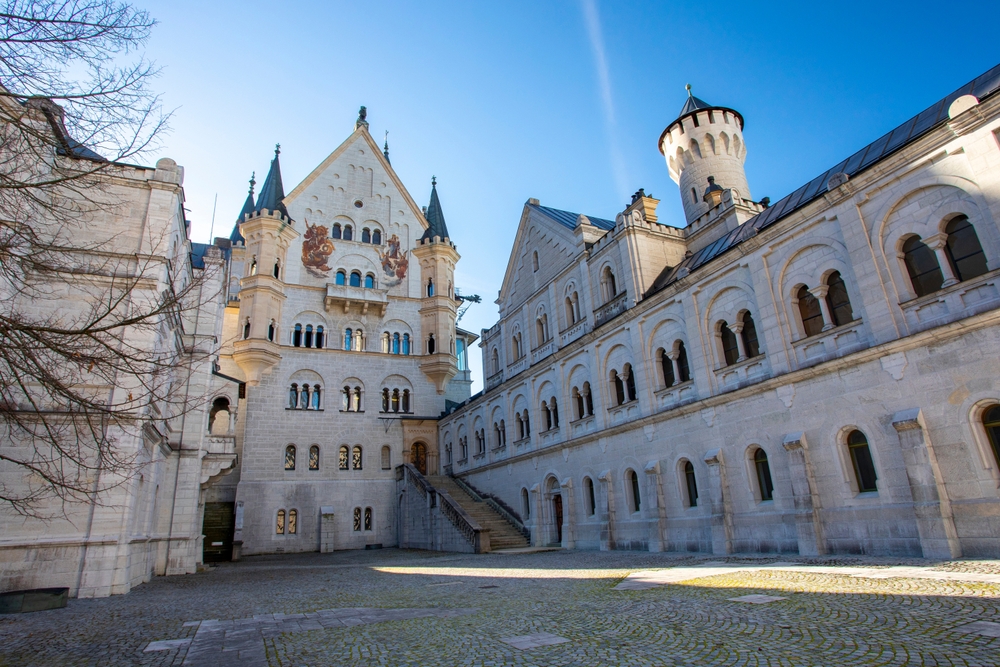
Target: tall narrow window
309,336
314,457
368,518
336,233
342,458
964,250
406,344
588,399
406,400
348,339
304,397
692,484
430,287
430,344
668,368
922,265
578,403
293,521
395,400
246,329
348,233
629,383
861,459
991,422
356,458
588,485
355,279
534,260
385,400
634,481
366,235
395,343
764,484
271,330
290,457
357,519
377,237
370,281
749,334
810,312
555,412
683,368
341,277
315,397
730,348
277,269
619,387
525,504
386,457
279,526
297,336
293,396
839,300
319,336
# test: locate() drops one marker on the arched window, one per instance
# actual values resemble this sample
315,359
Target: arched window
634,482
279,524
730,348
304,397
315,402
319,336
337,231
356,399
385,399
377,237
430,344
253,266
406,344
667,365
430,287
357,519
356,457
520,425
355,279
683,368
692,484
838,300
608,283
386,454
534,260
515,345
290,457
271,330
218,416
861,459
629,382
810,312
964,250
764,485
578,407
293,396
309,336
527,423
749,334
366,235
588,488
395,400
525,504
694,196
496,361
293,521
314,457
297,336
368,518
246,329
359,340
348,233
406,400
341,277
922,265
395,343
588,399
991,422
618,387
348,339
370,281
342,458
277,268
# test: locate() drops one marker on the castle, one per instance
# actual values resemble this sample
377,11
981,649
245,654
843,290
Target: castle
815,375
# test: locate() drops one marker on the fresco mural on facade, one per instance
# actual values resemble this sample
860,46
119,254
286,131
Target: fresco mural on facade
394,262
316,249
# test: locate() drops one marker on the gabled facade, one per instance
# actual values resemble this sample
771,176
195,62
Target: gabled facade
816,375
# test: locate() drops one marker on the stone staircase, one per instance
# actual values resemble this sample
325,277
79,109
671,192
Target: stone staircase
502,534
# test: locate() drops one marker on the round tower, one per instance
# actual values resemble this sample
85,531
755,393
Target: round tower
705,142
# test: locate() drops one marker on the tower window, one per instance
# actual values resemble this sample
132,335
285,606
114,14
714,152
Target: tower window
694,196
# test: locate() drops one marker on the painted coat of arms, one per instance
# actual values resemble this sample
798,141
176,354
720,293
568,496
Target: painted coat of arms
316,249
394,262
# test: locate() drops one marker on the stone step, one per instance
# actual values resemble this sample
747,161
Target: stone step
502,534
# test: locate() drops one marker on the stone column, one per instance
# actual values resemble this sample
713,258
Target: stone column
737,328
721,521
805,496
569,518
537,538
820,292
607,532
937,243
935,522
658,527
673,355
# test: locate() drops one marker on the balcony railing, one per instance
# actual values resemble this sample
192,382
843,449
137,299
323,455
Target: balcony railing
611,309
572,332
542,351
494,380
363,298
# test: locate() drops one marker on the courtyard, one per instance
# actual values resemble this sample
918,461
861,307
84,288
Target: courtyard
396,607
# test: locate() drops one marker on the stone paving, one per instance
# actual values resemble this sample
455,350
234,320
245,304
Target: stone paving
410,608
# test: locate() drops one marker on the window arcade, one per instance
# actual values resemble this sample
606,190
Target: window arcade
304,397
396,400
350,399
289,528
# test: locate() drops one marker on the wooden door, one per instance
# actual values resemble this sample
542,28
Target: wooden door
557,506
418,456
220,520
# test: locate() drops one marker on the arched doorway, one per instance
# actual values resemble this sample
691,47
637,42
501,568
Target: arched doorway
418,457
557,511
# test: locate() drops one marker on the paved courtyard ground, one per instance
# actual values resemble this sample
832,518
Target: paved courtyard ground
553,608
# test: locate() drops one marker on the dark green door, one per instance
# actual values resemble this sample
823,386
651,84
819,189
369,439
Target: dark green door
220,519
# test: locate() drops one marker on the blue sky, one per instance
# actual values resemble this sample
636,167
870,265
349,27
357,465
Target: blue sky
561,100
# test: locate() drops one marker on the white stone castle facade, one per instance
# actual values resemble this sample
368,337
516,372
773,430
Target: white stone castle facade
817,376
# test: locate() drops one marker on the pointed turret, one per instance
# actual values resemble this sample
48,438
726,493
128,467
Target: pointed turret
236,237
385,149
435,216
272,193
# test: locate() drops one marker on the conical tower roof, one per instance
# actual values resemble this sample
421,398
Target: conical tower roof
435,216
236,237
692,105
272,193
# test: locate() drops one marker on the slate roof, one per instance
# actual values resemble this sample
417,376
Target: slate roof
248,207
435,217
693,103
925,121
272,193
568,219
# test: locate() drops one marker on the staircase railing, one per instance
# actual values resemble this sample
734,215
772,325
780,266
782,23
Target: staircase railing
497,505
476,535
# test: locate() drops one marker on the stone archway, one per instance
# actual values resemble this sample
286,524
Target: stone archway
418,457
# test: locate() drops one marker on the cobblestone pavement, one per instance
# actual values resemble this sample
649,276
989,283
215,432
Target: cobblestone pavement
555,608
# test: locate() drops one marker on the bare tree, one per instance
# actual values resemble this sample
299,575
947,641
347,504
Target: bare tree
93,346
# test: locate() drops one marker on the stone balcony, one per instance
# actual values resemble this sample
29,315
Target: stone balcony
572,332
543,350
218,458
494,380
954,302
518,366
343,297
611,309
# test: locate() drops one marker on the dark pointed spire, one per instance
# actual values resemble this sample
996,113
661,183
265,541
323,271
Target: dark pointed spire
236,237
434,215
692,103
272,192
385,149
